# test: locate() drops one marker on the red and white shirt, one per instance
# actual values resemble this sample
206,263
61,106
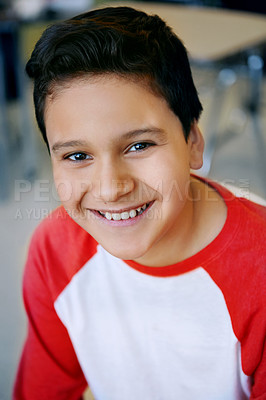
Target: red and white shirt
192,330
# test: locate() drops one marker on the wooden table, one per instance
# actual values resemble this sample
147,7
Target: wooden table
209,34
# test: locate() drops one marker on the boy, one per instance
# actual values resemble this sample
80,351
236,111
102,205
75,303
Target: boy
148,284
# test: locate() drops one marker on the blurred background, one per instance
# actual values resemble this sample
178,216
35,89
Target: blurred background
226,40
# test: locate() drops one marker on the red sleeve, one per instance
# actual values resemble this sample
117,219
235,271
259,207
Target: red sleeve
240,274
254,342
48,369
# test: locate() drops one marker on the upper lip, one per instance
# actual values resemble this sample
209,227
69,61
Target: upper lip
121,210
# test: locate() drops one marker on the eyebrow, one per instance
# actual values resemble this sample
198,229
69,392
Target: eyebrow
128,135
71,143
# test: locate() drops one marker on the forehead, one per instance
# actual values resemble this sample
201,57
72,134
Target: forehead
104,109
100,94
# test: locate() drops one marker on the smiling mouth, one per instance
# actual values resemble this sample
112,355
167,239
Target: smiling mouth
125,215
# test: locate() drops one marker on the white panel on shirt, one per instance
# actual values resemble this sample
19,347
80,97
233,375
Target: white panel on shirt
139,337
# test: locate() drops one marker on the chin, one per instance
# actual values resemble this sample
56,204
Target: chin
125,253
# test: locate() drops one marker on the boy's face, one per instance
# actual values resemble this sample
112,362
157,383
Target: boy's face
122,166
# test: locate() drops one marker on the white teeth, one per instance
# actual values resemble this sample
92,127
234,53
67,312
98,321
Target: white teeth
132,213
108,216
124,215
116,217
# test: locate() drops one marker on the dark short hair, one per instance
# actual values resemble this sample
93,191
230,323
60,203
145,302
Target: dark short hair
115,40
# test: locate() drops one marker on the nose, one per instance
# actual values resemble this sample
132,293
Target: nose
111,182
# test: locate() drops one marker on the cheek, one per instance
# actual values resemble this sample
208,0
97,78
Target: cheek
70,187
175,192
175,180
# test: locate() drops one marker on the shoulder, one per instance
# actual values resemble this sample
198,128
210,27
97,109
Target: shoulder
57,221
249,212
59,248
238,223
256,212
247,219
238,254
58,234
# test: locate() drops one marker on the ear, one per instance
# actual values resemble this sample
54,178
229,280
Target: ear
196,146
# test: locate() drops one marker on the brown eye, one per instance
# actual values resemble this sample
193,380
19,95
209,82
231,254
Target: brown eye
78,157
140,146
